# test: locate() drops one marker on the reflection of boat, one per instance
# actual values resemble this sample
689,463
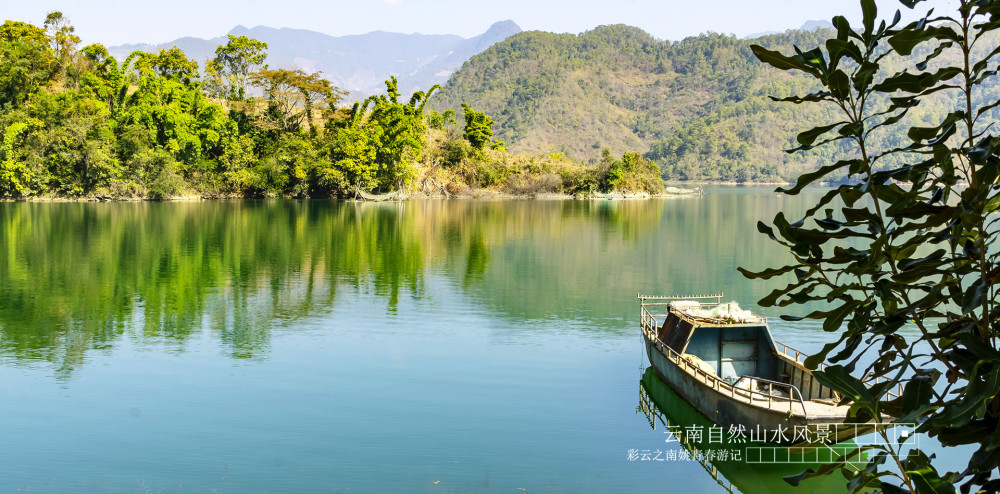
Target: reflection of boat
667,192
734,466
724,362
396,195
682,191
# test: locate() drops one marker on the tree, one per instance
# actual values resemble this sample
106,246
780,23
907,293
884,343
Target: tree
633,172
12,31
61,37
478,128
399,131
172,63
911,242
351,161
26,62
292,96
230,70
438,121
15,176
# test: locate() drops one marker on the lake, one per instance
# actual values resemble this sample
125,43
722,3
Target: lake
326,346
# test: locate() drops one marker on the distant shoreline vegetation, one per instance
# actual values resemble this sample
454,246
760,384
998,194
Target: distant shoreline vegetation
78,123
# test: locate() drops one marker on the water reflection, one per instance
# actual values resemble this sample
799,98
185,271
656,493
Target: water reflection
736,467
76,278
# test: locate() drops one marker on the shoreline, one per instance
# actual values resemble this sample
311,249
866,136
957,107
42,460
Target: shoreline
689,189
476,195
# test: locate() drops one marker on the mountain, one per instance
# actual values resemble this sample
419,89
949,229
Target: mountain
816,24
357,63
700,107
807,26
701,100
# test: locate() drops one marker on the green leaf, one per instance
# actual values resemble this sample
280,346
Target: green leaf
779,61
839,48
912,263
843,27
839,84
836,317
972,433
916,83
937,51
923,476
765,274
906,39
813,361
916,394
838,379
864,76
808,137
797,479
973,298
807,179
869,12
888,488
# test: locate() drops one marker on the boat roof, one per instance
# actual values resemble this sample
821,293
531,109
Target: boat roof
685,318
715,314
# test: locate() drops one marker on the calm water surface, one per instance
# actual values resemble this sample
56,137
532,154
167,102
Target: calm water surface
322,346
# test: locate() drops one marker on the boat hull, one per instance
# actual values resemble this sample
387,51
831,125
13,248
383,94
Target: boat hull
730,412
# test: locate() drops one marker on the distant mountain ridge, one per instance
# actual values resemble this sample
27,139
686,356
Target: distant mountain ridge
357,63
807,26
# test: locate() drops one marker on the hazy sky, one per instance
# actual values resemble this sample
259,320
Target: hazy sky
115,22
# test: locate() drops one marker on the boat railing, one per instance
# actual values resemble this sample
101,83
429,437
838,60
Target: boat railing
792,392
649,322
870,380
793,353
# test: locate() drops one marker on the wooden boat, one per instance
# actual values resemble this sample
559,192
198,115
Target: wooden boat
730,369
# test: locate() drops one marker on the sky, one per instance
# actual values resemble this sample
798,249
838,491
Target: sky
114,22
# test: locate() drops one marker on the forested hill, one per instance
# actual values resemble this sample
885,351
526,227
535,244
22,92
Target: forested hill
699,107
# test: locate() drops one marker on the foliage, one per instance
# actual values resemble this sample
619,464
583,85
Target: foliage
631,173
230,70
351,160
912,243
478,128
398,129
80,123
498,170
26,62
15,177
292,96
438,121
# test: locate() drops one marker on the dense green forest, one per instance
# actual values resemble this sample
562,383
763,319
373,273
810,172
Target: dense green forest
76,122
701,108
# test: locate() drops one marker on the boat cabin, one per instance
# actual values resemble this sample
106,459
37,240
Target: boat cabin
735,346
731,350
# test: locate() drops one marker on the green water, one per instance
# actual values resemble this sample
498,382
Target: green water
322,346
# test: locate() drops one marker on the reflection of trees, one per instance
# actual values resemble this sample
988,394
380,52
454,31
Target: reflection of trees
75,277
568,258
